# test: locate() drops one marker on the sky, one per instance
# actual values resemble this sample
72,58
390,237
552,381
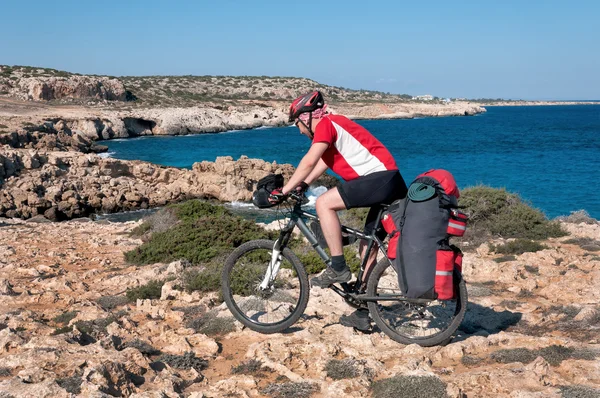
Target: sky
534,50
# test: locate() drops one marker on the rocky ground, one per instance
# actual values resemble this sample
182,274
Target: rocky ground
532,328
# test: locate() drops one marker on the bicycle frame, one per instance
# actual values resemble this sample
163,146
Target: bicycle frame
297,219
351,293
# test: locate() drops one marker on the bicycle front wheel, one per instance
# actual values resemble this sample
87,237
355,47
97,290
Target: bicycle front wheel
264,304
428,324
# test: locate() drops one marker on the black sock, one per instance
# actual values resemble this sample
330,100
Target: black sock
338,263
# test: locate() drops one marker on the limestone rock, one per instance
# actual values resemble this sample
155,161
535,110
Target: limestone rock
70,185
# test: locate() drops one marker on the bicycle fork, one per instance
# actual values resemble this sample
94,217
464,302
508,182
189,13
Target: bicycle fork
273,267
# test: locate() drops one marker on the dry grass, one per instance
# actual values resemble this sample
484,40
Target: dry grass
409,387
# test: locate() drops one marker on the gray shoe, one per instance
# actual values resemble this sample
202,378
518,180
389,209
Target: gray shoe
359,320
331,276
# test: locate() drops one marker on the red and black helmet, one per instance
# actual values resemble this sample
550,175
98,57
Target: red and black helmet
306,103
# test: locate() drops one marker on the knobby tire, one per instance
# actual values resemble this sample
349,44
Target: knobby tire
440,338
230,298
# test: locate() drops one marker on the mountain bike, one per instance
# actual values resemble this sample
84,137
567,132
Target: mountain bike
266,287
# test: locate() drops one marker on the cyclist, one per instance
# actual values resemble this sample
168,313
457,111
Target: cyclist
370,176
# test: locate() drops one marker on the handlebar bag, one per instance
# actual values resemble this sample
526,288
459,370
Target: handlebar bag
264,187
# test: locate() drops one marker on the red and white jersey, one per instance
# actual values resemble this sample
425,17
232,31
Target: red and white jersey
353,152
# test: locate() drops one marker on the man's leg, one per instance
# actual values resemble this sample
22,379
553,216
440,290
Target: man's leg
362,249
370,223
327,207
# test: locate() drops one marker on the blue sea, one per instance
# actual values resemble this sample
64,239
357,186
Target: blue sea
549,155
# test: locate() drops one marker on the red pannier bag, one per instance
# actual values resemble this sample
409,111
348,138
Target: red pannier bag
457,223
448,259
444,274
390,227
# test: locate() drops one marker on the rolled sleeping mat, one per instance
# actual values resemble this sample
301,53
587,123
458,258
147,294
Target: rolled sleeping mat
419,192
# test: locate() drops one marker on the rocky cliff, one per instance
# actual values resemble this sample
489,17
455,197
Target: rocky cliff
74,87
64,185
66,328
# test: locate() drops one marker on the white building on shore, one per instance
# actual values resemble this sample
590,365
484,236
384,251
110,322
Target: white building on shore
425,97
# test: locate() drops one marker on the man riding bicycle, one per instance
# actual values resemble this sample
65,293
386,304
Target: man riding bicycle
370,176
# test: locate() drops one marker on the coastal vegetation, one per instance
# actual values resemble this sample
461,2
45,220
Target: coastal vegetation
150,290
496,213
203,231
202,234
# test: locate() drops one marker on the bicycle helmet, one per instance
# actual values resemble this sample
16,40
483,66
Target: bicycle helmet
306,103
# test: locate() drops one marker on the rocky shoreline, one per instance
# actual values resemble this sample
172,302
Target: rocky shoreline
48,165
97,124
64,185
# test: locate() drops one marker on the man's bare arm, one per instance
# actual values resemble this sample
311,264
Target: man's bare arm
317,172
306,166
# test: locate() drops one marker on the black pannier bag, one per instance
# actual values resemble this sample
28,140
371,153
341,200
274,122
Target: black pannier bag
419,228
264,187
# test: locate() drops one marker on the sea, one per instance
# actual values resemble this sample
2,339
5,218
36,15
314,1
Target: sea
548,155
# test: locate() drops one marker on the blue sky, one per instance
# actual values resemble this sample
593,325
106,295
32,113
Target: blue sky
510,49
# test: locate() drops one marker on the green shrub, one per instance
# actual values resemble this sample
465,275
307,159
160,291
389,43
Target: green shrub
569,312
205,279
469,360
342,369
504,259
141,229
62,330
532,269
141,345
205,231
96,327
290,390
65,317
496,212
193,210
577,217
588,244
192,310
518,246
250,367
314,264
554,354
111,302
212,325
409,387
185,361
354,218
579,391
524,293
150,290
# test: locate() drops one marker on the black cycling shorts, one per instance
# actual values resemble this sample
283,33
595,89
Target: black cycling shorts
382,187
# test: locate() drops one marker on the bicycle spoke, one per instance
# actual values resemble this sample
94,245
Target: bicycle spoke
412,323
257,307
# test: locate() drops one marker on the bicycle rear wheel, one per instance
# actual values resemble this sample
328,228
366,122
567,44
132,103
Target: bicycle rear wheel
265,310
428,324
